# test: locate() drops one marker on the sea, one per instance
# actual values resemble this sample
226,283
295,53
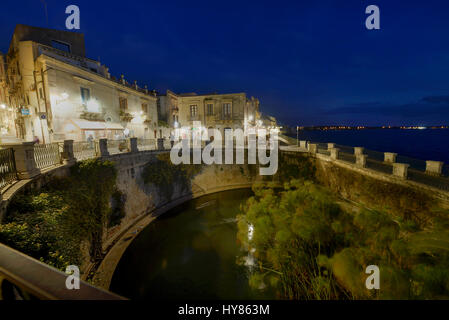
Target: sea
422,144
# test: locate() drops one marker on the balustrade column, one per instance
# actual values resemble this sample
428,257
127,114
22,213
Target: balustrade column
334,153
434,167
67,154
303,144
330,145
313,148
24,158
358,150
132,145
360,160
400,170
390,157
160,144
103,147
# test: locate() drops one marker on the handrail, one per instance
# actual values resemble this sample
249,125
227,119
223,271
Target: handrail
42,281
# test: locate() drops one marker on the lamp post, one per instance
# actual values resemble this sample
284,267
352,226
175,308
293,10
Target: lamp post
297,136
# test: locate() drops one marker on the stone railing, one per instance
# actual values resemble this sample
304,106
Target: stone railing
25,160
430,173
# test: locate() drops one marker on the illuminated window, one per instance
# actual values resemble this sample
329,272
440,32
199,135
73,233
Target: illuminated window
210,109
144,107
123,104
85,96
227,109
193,110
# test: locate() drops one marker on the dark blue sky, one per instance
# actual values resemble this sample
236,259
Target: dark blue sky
309,62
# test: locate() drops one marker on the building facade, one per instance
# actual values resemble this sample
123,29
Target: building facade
215,111
58,93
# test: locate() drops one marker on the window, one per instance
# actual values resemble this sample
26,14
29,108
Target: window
144,107
193,110
210,109
227,109
60,45
85,96
123,104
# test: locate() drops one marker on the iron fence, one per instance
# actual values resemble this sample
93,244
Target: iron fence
117,146
47,155
146,144
8,173
83,150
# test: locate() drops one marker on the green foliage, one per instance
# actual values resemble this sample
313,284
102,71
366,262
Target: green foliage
117,208
294,166
50,225
165,175
308,247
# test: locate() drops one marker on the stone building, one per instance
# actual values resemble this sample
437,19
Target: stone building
7,114
219,111
58,93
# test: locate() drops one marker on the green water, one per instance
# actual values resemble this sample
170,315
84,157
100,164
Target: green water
191,252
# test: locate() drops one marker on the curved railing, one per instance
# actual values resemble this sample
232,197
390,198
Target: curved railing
25,278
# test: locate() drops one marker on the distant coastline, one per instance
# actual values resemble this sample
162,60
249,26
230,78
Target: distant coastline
290,129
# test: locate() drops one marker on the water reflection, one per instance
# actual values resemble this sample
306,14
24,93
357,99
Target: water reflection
191,252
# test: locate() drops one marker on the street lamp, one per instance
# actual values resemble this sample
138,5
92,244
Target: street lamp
297,136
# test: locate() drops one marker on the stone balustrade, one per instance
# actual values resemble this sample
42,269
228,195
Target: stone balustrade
434,167
25,163
24,159
390,157
303,144
400,170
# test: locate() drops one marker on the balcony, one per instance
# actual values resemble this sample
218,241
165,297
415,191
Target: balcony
93,116
125,116
229,117
195,117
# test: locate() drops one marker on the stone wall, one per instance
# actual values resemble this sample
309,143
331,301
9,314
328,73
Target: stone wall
379,191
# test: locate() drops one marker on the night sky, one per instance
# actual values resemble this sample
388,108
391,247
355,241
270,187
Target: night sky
309,62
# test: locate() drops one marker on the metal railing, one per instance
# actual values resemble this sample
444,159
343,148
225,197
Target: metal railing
117,146
8,173
146,144
47,155
84,150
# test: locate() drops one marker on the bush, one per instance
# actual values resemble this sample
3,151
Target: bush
313,249
50,225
